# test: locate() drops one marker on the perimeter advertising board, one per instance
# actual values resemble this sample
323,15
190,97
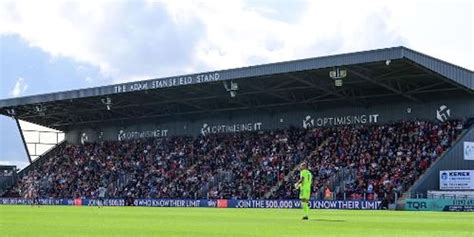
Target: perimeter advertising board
456,179
219,203
439,204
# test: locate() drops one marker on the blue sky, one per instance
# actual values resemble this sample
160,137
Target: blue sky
33,71
66,45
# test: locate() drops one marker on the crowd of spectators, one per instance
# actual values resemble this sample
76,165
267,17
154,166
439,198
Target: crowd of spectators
244,165
385,159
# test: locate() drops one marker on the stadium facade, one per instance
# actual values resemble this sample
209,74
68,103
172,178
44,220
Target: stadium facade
363,88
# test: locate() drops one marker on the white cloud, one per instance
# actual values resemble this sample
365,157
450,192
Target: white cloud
131,40
19,88
124,39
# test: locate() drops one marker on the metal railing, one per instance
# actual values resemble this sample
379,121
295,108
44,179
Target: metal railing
337,182
441,195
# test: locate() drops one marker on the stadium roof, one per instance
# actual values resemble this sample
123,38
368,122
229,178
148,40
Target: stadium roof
376,76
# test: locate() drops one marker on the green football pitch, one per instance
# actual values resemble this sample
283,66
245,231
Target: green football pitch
62,221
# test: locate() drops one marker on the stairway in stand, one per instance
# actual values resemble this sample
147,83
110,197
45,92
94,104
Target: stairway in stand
295,168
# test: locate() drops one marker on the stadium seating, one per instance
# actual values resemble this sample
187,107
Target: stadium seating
247,165
386,159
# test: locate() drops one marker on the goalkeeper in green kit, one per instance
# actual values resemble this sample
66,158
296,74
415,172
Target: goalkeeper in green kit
304,184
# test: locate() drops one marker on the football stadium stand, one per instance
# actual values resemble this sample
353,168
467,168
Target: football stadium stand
386,159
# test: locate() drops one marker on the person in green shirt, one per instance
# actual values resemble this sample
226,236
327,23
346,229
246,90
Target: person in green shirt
304,184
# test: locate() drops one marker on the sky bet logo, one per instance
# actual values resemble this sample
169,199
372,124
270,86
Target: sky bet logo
211,203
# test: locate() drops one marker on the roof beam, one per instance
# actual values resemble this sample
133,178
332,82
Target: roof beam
426,87
368,78
230,99
271,91
433,90
228,109
327,90
210,97
426,70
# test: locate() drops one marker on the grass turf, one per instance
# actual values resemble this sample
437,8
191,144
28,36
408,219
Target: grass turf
141,221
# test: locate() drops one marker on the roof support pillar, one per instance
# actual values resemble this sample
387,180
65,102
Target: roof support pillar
23,139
